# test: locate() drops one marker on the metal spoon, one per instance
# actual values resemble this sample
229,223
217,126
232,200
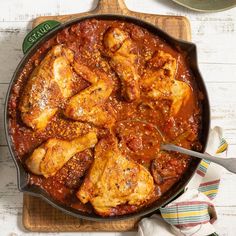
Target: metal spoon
227,163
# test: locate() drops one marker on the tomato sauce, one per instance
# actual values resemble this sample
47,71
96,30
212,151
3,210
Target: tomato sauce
141,125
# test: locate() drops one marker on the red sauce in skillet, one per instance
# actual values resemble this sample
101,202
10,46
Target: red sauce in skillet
85,39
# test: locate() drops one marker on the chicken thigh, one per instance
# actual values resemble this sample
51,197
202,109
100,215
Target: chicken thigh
49,85
47,159
118,47
114,180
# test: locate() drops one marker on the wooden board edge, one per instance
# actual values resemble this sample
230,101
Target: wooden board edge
25,220
188,28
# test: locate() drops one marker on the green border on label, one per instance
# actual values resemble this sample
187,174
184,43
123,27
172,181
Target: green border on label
37,33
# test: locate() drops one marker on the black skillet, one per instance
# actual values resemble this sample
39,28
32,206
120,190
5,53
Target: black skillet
48,29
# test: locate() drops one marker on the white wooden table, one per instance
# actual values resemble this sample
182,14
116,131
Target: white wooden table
215,36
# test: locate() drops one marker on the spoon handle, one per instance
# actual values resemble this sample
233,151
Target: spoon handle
229,163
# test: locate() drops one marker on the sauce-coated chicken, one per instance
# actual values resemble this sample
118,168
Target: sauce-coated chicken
90,105
159,82
49,85
114,180
50,157
118,47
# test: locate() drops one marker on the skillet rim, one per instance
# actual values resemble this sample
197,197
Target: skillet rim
189,47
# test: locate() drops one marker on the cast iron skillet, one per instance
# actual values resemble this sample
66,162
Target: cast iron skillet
29,45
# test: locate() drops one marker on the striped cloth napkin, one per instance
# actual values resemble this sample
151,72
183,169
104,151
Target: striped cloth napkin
192,213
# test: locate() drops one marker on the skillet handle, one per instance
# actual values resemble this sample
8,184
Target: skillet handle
37,33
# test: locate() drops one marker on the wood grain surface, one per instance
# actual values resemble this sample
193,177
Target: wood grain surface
39,215
177,26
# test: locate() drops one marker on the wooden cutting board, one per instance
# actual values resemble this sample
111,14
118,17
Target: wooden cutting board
39,215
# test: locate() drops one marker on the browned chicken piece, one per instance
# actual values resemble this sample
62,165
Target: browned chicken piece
50,157
85,72
163,64
114,180
48,86
119,48
89,105
159,82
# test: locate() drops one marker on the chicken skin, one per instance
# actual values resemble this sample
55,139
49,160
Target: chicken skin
49,85
90,104
50,157
159,82
85,72
114,180
119,48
